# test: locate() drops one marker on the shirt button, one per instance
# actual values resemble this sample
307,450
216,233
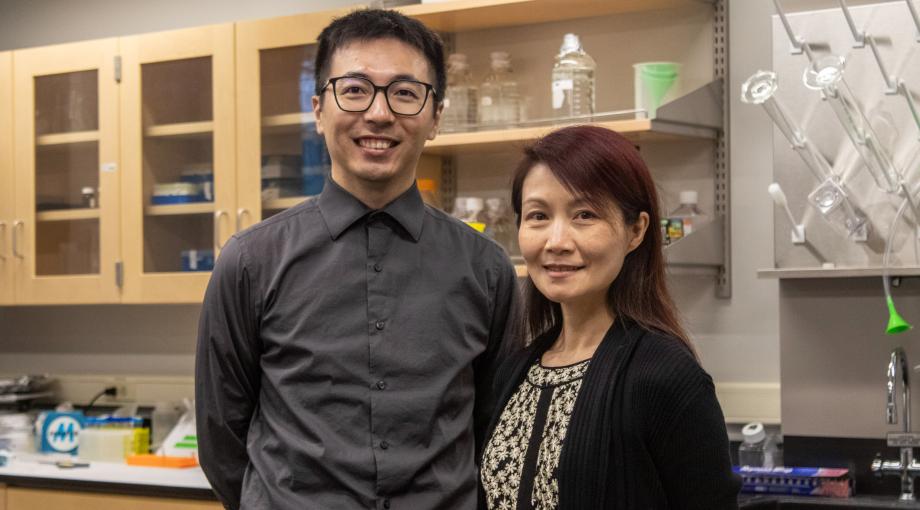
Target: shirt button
378,267
381,385
384,445
379,325
386,503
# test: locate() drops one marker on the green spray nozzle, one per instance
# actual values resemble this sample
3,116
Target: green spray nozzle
896,323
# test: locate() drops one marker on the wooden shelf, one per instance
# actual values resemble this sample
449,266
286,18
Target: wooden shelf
181,130
638,130
282,203
76,137
464,15
694,116
179,209
836,272
67,215
287,122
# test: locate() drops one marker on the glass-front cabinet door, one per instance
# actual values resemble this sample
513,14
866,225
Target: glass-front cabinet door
66,227
281,159
178,147
6,177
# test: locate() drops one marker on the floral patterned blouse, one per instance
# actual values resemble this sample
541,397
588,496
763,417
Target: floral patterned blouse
520,460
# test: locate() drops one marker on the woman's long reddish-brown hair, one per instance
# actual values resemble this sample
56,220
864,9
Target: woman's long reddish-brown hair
602,167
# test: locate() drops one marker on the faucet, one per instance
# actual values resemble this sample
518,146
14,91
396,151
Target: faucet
906,467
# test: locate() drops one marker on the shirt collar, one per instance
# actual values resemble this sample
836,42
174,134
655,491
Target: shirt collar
340,209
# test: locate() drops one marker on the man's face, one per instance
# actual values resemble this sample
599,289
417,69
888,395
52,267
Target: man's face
376,148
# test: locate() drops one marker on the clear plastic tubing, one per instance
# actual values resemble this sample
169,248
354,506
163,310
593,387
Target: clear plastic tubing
826,75
760,89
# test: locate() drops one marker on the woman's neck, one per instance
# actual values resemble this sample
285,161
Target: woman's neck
583,329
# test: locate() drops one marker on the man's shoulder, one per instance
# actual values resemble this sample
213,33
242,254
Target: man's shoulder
277,227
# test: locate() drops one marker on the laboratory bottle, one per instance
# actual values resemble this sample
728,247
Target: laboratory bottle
461,103
687,218
573,79
757,449
500,225
499,100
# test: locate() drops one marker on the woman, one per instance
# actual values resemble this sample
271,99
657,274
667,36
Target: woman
608,407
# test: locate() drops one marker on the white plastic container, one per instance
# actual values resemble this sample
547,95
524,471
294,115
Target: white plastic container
105,444
688,214
758,449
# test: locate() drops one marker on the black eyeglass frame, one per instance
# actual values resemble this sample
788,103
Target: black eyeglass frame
429,90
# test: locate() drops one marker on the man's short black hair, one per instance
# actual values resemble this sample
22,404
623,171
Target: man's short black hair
370,24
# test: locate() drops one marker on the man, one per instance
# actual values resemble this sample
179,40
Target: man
347,345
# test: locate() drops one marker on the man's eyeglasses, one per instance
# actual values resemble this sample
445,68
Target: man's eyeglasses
356,95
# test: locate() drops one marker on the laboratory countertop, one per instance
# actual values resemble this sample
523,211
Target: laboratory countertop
108,477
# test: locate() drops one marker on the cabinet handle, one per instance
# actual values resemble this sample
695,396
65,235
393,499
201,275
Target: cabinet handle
3,240
17,225
239,217
217,216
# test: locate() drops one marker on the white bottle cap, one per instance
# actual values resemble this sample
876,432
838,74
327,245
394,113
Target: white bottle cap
500,55
474,204
570,43
753,432
689,197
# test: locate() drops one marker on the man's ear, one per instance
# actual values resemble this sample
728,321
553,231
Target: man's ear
437,121
318,113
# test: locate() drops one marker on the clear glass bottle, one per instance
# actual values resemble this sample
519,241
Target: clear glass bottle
688,215
461,102
499,101
500,225
573,79
758,449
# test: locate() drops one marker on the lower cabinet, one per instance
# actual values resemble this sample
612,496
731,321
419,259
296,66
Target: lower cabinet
15,498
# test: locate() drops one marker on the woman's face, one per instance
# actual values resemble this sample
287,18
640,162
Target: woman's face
573,251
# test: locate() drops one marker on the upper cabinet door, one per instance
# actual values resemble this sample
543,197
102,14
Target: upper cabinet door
66,227
6,178
178,143
281,159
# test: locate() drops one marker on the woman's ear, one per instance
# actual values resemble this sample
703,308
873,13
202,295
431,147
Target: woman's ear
637,230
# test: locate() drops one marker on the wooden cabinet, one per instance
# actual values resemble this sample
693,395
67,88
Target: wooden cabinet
178,128
6,180
67,200
29,499
274,60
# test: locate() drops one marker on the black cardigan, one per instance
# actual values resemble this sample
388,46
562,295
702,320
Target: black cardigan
646,432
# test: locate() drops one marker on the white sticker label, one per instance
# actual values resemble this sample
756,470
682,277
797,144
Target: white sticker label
486,101
62,433
109,167
559,88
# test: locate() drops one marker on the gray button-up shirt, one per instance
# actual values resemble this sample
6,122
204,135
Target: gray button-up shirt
345,357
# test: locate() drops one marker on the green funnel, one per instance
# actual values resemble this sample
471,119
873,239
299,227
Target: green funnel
896,323
653,81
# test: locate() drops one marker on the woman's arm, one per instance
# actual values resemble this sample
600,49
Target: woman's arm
693,458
